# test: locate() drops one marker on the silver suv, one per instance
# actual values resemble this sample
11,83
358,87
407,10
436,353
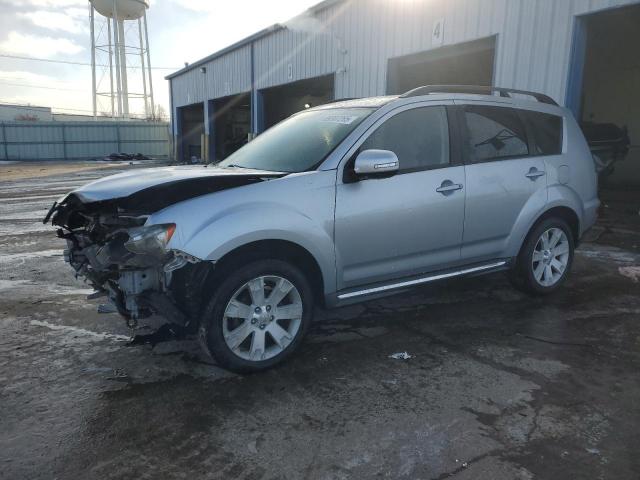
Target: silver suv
338,204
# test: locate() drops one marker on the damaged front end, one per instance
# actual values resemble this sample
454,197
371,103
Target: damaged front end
110,246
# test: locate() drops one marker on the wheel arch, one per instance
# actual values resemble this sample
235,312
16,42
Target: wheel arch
275,249
521,273
565,213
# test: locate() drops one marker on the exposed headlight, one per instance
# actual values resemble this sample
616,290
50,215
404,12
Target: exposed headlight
150,240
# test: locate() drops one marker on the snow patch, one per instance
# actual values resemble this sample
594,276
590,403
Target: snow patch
80,331
9,284
29,255
610,254
630,272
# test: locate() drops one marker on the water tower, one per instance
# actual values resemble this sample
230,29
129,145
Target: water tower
120,58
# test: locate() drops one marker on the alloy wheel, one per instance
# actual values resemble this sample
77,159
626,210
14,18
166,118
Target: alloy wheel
262,318
550,257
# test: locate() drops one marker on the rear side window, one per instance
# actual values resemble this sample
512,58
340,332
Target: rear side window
419,137
546,130
494,133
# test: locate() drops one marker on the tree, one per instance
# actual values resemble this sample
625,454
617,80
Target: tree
25,117
160,115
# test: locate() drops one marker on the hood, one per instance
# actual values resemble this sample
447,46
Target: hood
146,191
161,179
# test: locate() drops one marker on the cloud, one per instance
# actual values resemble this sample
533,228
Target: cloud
69,21
71,93
198,5
34,45
307,24
47,3
27,78
280,9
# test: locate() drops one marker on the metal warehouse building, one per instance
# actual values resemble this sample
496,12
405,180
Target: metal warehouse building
582,53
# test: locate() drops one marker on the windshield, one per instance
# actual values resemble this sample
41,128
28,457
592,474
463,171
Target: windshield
298,143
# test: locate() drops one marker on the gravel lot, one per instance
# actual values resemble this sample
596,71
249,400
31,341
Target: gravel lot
499,385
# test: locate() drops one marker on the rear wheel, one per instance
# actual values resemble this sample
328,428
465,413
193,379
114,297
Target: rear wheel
545,258
258,316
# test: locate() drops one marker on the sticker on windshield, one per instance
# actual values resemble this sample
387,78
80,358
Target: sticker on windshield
343,119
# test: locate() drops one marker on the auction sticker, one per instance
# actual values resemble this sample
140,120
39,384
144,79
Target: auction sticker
342,119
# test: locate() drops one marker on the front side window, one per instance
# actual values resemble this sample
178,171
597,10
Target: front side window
419,137
298,143
494,133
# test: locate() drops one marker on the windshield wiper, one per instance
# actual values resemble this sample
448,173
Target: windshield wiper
498,140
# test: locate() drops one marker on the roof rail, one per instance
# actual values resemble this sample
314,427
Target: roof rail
476,89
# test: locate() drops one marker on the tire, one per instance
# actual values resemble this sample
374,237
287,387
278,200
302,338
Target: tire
247,334
548,270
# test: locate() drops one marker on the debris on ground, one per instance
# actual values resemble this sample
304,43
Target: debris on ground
107,308
167,332
252,447
400,356
118,374
126,157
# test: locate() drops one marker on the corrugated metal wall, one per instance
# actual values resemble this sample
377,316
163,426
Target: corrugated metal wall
81,140
355,39
305,49
227,75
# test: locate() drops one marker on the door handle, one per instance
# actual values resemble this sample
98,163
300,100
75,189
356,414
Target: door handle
448,187
534,173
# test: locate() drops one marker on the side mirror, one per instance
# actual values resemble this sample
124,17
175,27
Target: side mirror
376,163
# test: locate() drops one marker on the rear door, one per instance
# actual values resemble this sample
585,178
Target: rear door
503,177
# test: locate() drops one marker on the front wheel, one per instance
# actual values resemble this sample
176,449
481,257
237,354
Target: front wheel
545,258
258,316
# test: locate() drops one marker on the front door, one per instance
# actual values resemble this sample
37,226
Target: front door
410,223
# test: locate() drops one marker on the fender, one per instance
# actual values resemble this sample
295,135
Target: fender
255,222
297,208
556,196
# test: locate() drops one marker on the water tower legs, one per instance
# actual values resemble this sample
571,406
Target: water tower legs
144,72
146,41
116,57
94,90
111,96
123,69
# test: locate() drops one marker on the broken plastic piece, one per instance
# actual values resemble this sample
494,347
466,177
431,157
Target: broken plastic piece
400,356
107,308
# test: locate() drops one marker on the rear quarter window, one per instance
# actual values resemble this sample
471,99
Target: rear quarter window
546,130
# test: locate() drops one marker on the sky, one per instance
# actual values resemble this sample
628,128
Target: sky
179,31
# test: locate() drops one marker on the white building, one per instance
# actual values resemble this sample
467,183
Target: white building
30,113
24,113
582,53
